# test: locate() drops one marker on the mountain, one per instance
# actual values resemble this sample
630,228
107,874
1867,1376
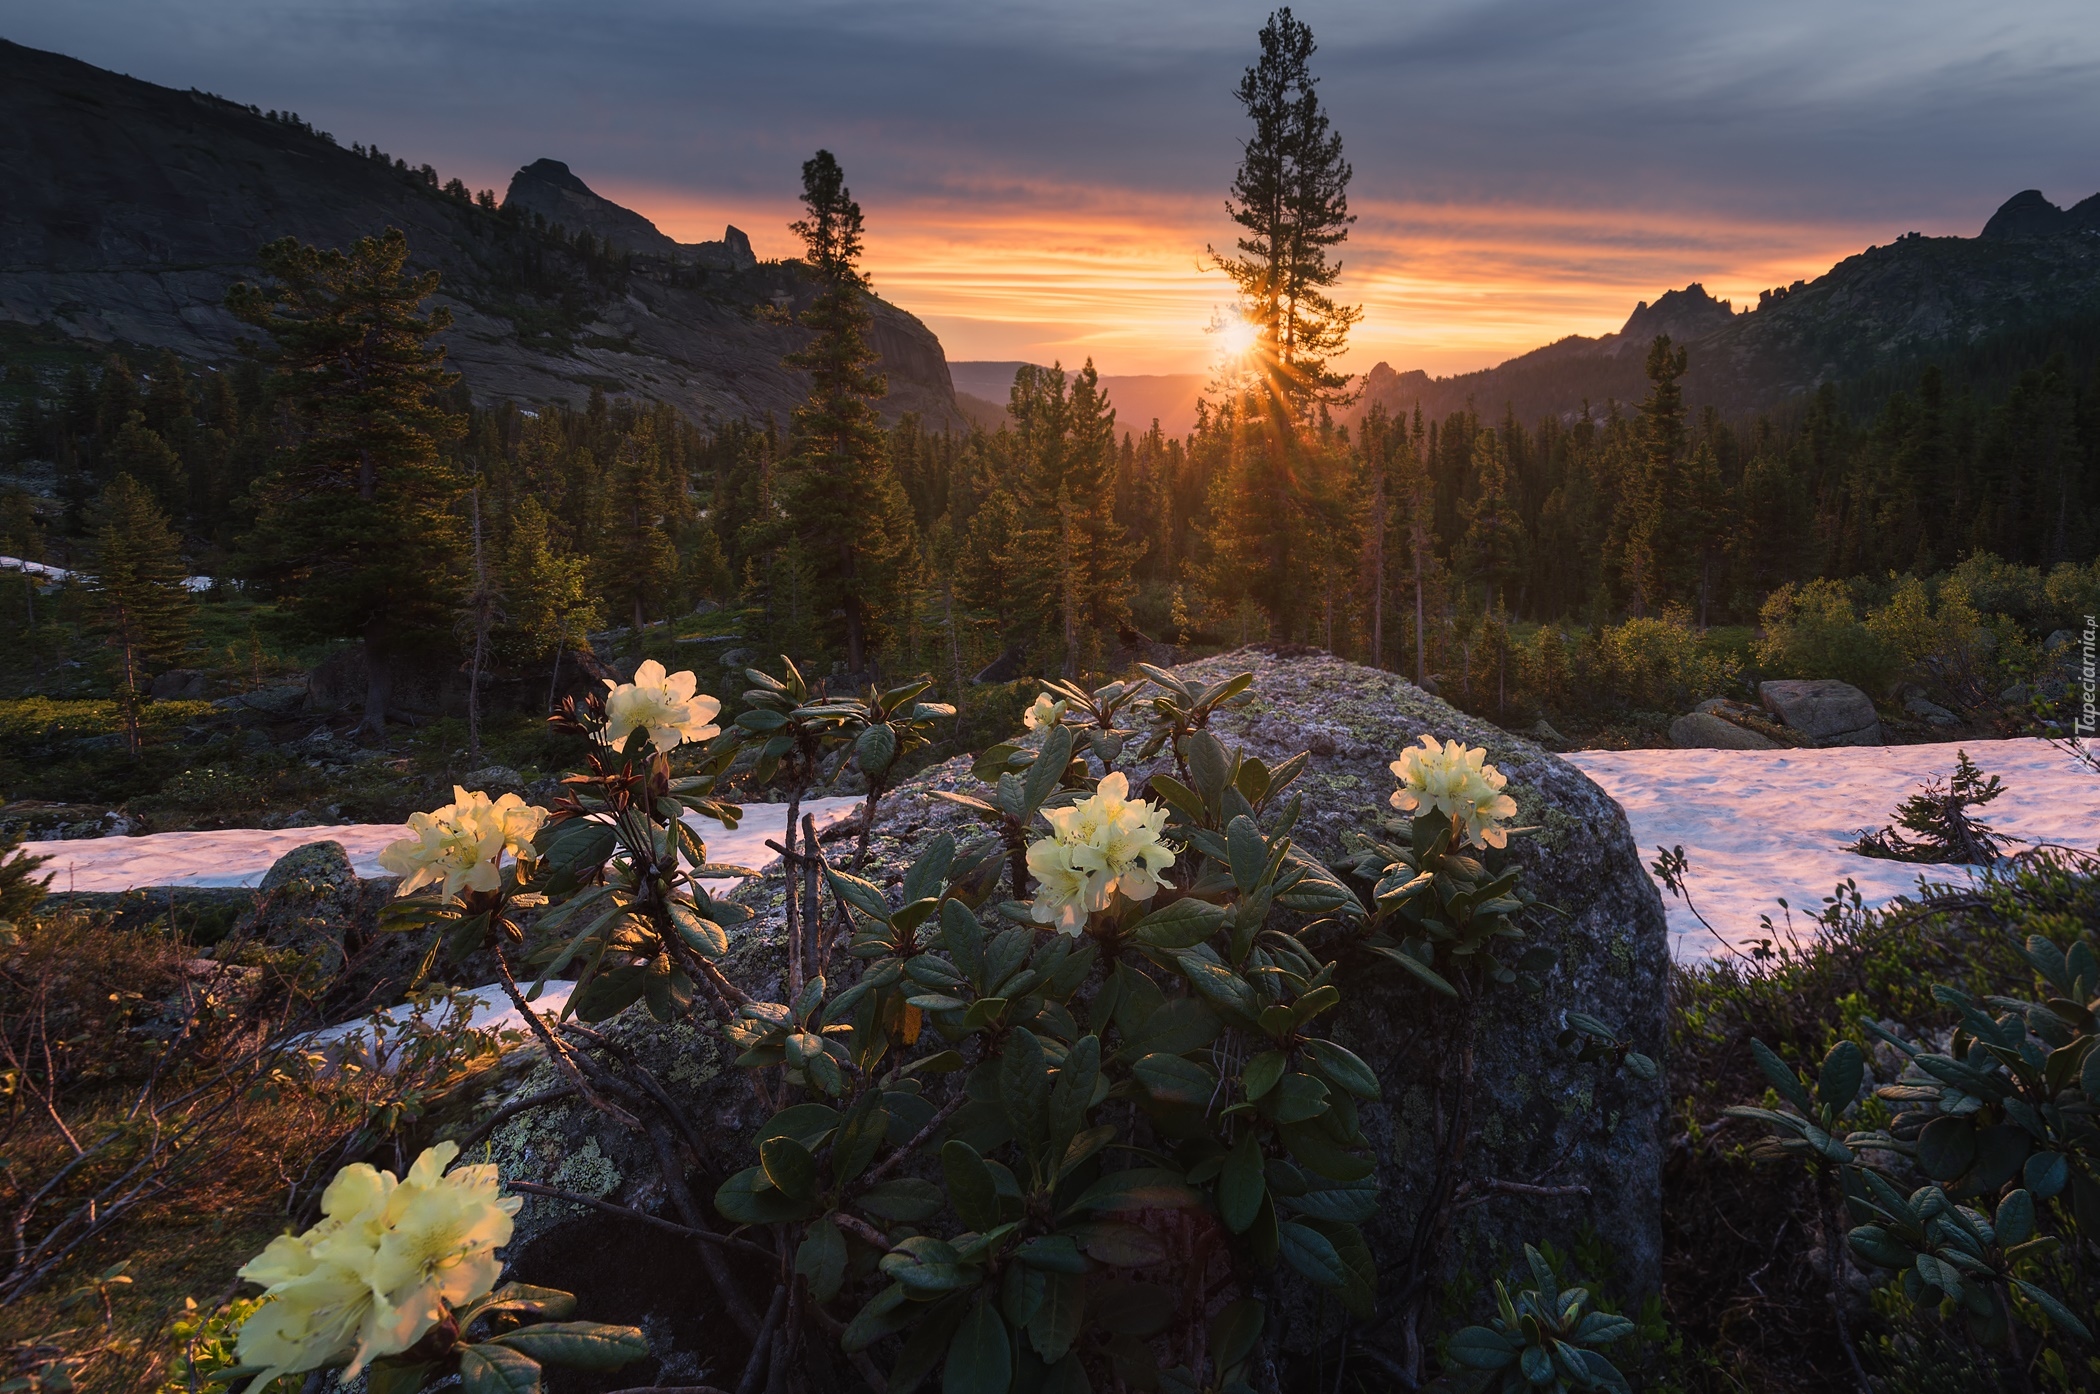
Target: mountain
2032,274
128,209
1139,398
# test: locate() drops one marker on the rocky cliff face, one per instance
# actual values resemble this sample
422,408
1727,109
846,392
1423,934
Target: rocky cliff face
1885,311
549,189
130,209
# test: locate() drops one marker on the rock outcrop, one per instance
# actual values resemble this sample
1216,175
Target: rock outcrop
1705,731
131,209
1541,1119
551,190
1824,710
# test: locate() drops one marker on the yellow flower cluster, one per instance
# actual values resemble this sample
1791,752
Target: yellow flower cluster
380,1268
1043,713
668,706
462,844
1456,781
1105,845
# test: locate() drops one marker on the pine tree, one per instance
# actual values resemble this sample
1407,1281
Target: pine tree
137,590
1648,494
1291,197
842,505
1492,550
360,527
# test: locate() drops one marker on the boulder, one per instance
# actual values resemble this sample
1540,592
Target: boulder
1705,731
1929,711
178,685
1824,710
494,780
1540,1117
310,902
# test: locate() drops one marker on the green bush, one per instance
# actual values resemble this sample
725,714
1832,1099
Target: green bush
1652,663
1813,631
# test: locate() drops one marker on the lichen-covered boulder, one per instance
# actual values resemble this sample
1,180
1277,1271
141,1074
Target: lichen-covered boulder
309,902
1558,1149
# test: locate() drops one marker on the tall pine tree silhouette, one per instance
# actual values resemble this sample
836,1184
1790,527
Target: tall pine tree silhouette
360,527
137,592
843,507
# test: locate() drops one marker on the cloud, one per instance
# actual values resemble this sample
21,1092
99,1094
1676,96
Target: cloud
1041,180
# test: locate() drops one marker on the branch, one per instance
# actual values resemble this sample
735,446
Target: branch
1479,1193
933,1125
704,1236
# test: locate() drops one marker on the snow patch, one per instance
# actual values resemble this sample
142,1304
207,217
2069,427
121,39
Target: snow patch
1757,825
237,857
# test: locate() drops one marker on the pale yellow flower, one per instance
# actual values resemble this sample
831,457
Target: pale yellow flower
1043,713
463,843
668,706
380,1269
1456,781
1066,892
1110,842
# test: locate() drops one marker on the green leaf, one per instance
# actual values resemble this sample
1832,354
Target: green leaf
748,1198
1320,1153
1024,1088
1307,1250
1233,1332
2053,1309
1060,1319
1352,1202
1781,1075
492,1369
789,1166
1021,1294
1262,1072
1140,1188
1180,924
906,1199
1210,768
1343,1069
1073,1093
821,1259
2014,1221
860,1137
1248,852
1178,1027
980,1358
1415,966
876,748
1047,771
1296,1099
1241,1184
1481,1348
1117,1243
703,936
581,1345
523,1299
1173,1080
805,1123
1053,1253
971,1189
864,896
1843,1069
1946,1148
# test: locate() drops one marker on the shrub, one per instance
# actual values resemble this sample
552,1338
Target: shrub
1812,631
1653,663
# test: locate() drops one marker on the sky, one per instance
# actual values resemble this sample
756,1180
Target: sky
1041,181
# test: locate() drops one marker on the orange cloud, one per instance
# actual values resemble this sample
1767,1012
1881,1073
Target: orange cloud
1038,272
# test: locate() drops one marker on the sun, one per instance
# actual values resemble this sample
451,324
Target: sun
1236,336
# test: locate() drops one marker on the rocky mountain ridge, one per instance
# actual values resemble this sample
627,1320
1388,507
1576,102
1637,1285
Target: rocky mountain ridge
131,208
2033,269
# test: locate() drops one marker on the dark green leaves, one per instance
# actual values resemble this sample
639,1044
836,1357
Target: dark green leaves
980,1359
971,1189
582,1345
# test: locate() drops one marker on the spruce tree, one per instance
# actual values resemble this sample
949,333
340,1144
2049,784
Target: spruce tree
137,591
1291,198
1492,550
843,508
360,528
1651,487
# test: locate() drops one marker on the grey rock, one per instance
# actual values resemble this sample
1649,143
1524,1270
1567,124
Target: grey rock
178,684
739,659
1543,732
309,902
494,780
2059,639
1824,710
2017,693
1929,711
1705,731
266,701
1537,1113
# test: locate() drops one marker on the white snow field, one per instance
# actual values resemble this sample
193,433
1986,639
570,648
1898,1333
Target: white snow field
372,1042
240,856
1756,825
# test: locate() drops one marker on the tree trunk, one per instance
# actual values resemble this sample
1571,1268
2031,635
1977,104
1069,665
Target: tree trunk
1378,569
481,640
1421,662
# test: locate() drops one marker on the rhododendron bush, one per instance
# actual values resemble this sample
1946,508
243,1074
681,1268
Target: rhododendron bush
1056,1109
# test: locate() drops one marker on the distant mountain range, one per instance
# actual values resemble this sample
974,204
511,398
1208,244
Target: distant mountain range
127,210
2033,271
982,386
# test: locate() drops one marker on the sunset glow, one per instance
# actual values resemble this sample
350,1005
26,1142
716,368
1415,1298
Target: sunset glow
1045,273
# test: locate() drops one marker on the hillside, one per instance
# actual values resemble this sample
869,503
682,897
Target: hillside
130,209
2031,275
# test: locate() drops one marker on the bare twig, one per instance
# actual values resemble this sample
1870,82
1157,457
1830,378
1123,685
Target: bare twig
511,1110
925,1134
643,1217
